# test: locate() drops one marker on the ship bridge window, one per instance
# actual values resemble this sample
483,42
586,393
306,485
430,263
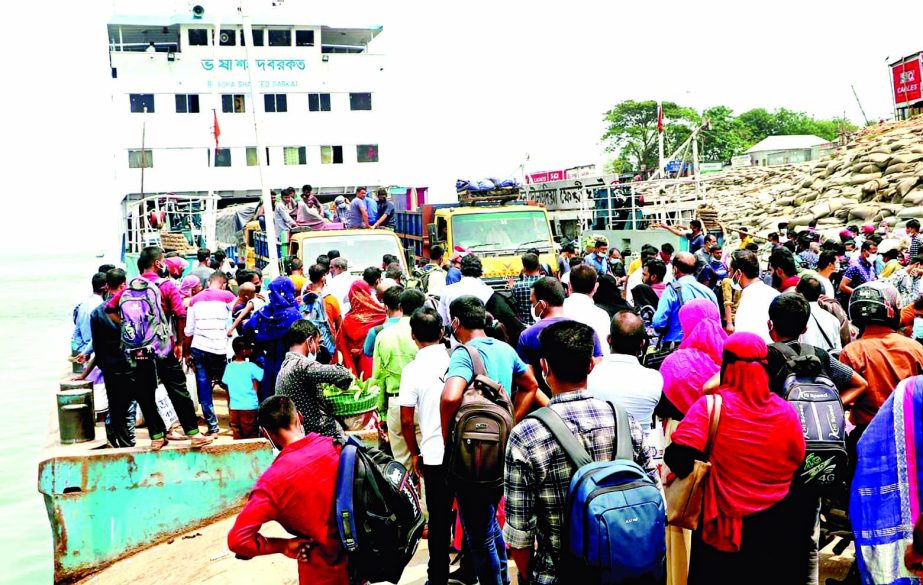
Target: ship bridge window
228,38
304,38
319,102
138,159
141,102
280,38
187,103
251,156
331,155
233,103
222,157
275,102
360,101
367,153
198,37
295,155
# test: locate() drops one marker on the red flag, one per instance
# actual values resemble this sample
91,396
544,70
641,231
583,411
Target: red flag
659,119
217,129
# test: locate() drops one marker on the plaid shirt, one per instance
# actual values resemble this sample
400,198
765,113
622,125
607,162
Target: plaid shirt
522,295
538,474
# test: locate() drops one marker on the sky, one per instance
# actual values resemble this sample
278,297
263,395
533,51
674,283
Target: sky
474,88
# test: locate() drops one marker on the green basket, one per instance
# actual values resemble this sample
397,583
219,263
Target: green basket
345,405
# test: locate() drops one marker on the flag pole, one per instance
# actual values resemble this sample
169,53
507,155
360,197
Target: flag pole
660,138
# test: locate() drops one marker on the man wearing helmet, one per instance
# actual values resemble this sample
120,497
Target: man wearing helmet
881,355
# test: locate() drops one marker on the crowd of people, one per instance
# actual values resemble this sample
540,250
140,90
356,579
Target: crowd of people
306,212
599,333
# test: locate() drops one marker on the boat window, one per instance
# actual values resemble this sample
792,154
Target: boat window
275,102
367,153
304,38
198,37
138,159
257,37
233,103
228,38
251,156
141,102
319,102
222,157
295,155
187,103
360,101
331,155
280,38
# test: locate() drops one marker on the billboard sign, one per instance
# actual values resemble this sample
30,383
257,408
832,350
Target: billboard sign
906,80
546,176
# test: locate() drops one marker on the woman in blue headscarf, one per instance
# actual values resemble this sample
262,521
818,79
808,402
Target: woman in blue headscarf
886,496
268,327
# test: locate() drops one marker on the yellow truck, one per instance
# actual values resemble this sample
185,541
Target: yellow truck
498,234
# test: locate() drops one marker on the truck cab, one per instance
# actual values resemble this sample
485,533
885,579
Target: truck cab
498,235
363,248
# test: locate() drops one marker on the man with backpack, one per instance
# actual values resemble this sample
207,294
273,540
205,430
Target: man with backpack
683,289
432,282
298,491
323,310
801,374
539,470
146,310
476,462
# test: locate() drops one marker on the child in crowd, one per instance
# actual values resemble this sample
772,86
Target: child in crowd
243,306
242,377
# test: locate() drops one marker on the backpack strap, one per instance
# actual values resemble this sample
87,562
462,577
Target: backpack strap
345,518
822,332
563,435
623,447
477,364
678,288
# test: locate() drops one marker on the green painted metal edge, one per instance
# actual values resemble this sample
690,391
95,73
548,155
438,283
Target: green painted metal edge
111,503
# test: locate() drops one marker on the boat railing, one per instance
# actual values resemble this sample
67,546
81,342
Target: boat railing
172,221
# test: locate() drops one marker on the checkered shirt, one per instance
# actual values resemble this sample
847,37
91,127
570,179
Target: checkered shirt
538,474
522,296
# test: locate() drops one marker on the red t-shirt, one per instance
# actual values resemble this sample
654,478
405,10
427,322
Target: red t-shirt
298,492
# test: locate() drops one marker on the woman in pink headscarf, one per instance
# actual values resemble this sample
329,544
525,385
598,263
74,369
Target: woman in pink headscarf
745,533
685,372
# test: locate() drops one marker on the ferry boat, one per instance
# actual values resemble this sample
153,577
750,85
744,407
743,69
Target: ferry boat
189,91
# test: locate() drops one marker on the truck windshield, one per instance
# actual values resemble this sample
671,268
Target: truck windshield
361,251
493,232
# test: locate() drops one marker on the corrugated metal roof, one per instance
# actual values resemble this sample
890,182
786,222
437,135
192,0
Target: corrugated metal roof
789,142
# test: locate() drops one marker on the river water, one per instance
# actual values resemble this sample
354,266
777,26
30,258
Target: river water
37,297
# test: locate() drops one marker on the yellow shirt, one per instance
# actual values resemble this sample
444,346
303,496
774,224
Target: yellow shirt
890,268
635,264
746,241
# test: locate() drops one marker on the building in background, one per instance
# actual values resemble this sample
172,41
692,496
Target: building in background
175,77
784,150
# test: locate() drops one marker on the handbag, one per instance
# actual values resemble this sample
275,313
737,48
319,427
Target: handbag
655,355
685,495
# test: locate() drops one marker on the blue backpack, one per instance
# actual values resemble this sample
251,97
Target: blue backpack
313,309
614,517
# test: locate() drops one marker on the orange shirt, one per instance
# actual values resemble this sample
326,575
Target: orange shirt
883,357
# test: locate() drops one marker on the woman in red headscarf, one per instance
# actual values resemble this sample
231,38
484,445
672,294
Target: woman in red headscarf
745,533
364,313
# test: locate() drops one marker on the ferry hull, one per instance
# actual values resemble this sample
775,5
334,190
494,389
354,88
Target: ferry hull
111,503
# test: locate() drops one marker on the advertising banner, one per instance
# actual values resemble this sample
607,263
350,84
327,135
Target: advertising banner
906,77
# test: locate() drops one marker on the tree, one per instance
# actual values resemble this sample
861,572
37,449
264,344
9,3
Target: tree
725,136
632,130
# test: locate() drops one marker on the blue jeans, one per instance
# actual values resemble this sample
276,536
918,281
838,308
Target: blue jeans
478,510
208,368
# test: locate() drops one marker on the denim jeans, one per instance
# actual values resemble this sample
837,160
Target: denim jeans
208,368
478,510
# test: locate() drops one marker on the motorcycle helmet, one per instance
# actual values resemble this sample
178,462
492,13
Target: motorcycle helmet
875,303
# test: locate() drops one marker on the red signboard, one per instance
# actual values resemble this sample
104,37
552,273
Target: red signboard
907,87
547,176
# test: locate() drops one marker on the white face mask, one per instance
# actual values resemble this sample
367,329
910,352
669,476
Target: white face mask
535,316
735,284
873,258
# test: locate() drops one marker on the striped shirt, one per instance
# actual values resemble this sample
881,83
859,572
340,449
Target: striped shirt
207,320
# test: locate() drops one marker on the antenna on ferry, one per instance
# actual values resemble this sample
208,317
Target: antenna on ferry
271,237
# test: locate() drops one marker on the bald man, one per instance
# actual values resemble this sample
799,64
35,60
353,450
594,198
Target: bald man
683,289
620,378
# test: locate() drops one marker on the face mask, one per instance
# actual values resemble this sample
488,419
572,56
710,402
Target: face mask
735,283
873,258
535,315
601,254
258,288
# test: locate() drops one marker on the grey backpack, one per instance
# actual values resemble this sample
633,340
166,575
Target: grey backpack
481,429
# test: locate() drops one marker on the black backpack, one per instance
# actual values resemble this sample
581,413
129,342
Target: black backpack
378,513
817,402
481,428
